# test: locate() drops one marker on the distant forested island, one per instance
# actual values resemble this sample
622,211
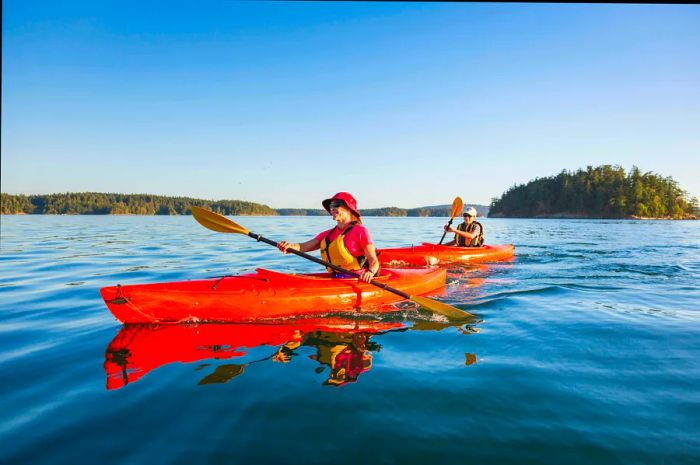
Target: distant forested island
602,192
94,203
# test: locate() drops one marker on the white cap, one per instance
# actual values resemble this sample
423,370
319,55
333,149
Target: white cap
471,211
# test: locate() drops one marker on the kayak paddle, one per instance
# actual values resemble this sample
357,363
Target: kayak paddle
457,206
219,223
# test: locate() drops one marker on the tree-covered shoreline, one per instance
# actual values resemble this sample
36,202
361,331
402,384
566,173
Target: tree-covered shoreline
602,192
94,203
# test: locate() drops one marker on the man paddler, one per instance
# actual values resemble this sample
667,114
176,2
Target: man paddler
470,233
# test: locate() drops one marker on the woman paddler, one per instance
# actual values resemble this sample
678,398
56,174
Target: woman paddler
347,245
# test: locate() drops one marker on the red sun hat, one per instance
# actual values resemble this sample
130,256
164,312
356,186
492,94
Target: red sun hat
344,197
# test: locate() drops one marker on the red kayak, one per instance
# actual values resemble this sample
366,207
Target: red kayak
433,254
263,295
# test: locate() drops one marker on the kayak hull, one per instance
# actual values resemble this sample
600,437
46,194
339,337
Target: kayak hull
433,254
262,295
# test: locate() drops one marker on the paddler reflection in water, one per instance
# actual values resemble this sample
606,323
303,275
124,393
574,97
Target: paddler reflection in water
470,233
347,245
347,354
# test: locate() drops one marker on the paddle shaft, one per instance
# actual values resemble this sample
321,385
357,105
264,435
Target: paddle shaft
449,223
260,238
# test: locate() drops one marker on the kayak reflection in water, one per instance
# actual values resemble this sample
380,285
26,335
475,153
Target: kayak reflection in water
341,344
347,354
348,244
470,233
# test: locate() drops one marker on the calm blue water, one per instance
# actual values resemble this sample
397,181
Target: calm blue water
588,351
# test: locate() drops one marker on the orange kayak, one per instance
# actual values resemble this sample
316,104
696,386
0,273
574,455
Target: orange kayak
262,295
433,254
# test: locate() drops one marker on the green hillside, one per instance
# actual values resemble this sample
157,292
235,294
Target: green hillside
602,192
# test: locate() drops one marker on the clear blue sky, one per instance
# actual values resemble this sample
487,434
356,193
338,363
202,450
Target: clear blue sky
402,104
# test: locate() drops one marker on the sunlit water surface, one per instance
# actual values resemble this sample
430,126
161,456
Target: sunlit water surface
588,351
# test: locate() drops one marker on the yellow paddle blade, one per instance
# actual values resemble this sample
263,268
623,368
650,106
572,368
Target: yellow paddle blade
216,222
449,311
457,206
